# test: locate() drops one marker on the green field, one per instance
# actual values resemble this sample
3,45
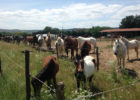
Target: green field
12,81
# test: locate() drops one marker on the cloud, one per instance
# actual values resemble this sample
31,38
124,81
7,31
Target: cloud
72,16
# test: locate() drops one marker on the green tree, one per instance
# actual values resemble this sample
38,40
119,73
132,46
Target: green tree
130,22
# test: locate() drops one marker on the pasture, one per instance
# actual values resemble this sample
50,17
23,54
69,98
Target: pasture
12,81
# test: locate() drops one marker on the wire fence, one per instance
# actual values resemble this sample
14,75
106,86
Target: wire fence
107,91
20,66
78,98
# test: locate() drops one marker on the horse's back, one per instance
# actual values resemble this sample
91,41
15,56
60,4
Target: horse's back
89,66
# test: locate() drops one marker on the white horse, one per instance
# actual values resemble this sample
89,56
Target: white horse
120,51
133,44
81,40
40,39
60,45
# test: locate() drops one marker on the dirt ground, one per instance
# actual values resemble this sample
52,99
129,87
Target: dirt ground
107,59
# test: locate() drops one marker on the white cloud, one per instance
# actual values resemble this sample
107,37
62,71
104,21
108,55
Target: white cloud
76,15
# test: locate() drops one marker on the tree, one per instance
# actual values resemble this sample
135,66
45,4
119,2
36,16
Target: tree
130,22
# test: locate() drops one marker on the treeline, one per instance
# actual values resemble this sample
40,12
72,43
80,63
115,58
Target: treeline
13,33
94,31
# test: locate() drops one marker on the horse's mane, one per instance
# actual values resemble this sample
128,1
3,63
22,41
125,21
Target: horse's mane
125,39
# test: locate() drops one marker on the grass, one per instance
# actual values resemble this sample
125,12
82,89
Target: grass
12,81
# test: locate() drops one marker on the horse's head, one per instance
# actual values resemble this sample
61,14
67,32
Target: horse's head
79,69
67,41
117,47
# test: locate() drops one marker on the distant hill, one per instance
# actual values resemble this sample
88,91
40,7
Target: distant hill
17,30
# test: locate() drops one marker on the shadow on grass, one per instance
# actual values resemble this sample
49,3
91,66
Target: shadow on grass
133,60
129,72
94,91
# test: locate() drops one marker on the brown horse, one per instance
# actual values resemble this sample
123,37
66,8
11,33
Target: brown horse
71,43
49,71
48,41
85,48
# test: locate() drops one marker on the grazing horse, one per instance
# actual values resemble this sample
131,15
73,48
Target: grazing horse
71,43
82,39
120,51
84,70
49,71
60,46
133,44
85,48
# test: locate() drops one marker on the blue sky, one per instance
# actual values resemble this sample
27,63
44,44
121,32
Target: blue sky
36,14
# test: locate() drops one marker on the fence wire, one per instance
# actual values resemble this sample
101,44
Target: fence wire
30,74
107,91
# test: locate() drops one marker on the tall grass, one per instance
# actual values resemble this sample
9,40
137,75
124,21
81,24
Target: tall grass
12,81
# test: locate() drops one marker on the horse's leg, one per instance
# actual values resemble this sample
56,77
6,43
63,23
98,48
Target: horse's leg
128,53
76,52
136,49
94,47
54,81
90,82
66,52
120,62
123,62
72,53
78,85
49,82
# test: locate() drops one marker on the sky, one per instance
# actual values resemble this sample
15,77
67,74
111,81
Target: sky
66,14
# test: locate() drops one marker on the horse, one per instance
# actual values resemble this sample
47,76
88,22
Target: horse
84,71
85,48
71,43
49,71
40,39
60,46
120,51
133,44
82,39
48,41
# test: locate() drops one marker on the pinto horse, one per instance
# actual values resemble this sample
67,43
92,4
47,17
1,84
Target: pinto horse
84,70
71,43
49,71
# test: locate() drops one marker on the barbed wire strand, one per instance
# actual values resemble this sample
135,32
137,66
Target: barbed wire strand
30,74
114,89
43,83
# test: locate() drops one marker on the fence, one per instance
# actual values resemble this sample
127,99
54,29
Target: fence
60,86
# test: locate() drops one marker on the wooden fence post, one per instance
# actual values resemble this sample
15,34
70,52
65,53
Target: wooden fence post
27,60
97,56
60,91
0,66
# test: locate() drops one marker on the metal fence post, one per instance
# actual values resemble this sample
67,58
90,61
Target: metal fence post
97,56
27,61
60,91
